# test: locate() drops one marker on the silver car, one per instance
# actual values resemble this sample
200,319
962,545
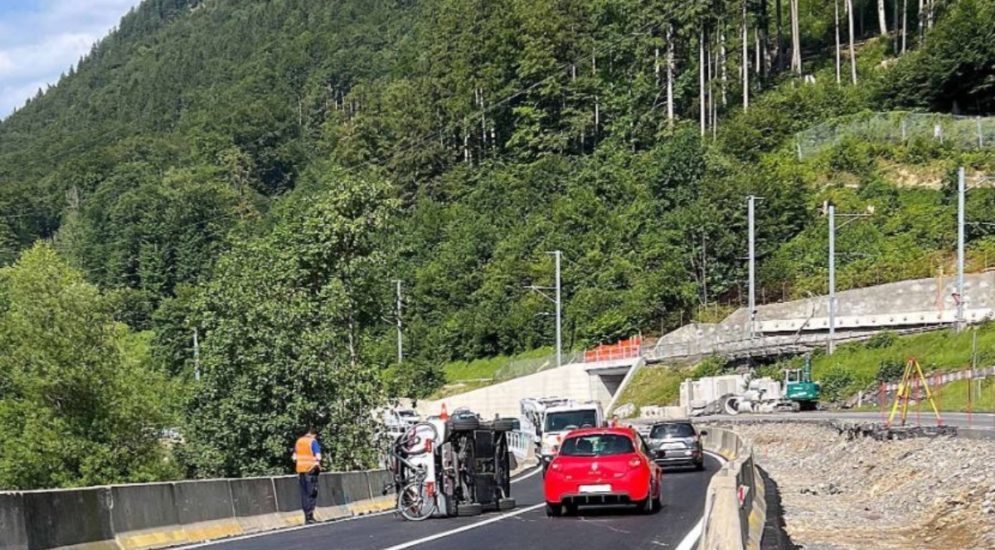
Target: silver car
676,442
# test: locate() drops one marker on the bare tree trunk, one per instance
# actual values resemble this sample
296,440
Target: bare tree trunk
756,50
929,13
711,85
722,65
922,21
853,55
764,31
701,78
796,42
670,75
894,23
836,7
780,36
656,64
746,61
882,20
905,24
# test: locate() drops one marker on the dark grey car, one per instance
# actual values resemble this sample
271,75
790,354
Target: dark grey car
676,442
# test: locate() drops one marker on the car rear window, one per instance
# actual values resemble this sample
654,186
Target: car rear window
567,420
661,431
597,445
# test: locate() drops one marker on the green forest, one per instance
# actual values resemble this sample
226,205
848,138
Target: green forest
254,176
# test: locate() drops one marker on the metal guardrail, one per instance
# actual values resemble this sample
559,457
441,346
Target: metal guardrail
898,127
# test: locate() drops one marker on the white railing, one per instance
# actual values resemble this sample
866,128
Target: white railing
519,444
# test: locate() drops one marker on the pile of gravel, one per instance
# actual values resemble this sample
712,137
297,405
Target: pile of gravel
914,493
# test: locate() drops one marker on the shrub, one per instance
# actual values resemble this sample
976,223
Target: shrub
836,384
890,370
882,340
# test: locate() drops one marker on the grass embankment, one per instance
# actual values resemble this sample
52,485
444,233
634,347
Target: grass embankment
463,376
661,384
854,367
860,366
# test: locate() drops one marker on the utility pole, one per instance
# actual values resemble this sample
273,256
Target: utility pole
400,341
559,313
196,355
830,210
557,300
751,200
832,277
960,248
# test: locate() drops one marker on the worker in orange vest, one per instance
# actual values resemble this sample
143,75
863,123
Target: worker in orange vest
307,457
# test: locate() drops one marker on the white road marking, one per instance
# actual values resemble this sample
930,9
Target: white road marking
691,539
444,534
526,476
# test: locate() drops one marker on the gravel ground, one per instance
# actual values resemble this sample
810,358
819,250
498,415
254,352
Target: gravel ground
916,493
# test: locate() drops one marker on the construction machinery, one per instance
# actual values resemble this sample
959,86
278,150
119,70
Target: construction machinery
799,387
736,393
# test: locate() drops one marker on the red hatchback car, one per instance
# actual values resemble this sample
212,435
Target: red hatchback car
597,466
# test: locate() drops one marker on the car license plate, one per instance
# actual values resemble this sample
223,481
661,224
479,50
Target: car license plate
595,488
673,446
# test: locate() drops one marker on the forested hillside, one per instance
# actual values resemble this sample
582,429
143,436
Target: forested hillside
259,173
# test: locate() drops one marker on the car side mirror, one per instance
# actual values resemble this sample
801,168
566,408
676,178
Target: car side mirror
703,433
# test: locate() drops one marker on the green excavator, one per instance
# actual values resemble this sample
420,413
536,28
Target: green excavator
799,387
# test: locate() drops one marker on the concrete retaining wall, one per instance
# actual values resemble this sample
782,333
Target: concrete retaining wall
159,515
735,505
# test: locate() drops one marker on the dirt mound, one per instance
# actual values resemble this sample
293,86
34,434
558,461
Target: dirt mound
916,493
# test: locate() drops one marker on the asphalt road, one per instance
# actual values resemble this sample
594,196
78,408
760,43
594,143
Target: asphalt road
524,527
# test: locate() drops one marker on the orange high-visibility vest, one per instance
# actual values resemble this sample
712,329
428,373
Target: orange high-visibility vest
302,453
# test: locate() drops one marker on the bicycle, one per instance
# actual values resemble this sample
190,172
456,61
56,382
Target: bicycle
414,502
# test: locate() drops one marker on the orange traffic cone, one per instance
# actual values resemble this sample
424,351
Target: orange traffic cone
445,414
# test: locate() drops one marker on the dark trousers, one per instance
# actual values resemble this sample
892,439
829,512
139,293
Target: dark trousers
309,494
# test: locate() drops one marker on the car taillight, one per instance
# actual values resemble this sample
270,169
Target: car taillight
428,445
635,462
430,488
555,466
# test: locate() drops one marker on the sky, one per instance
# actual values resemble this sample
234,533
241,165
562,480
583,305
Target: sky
41,39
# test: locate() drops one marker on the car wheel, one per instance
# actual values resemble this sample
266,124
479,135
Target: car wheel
506,503
471,509
554,510
699,465
646,505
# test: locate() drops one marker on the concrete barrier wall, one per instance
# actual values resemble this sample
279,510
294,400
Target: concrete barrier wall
13,535
205,509
735,509
145,516
159,515
75,517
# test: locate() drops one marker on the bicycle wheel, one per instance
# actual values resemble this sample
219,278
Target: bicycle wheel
411,442
413,503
